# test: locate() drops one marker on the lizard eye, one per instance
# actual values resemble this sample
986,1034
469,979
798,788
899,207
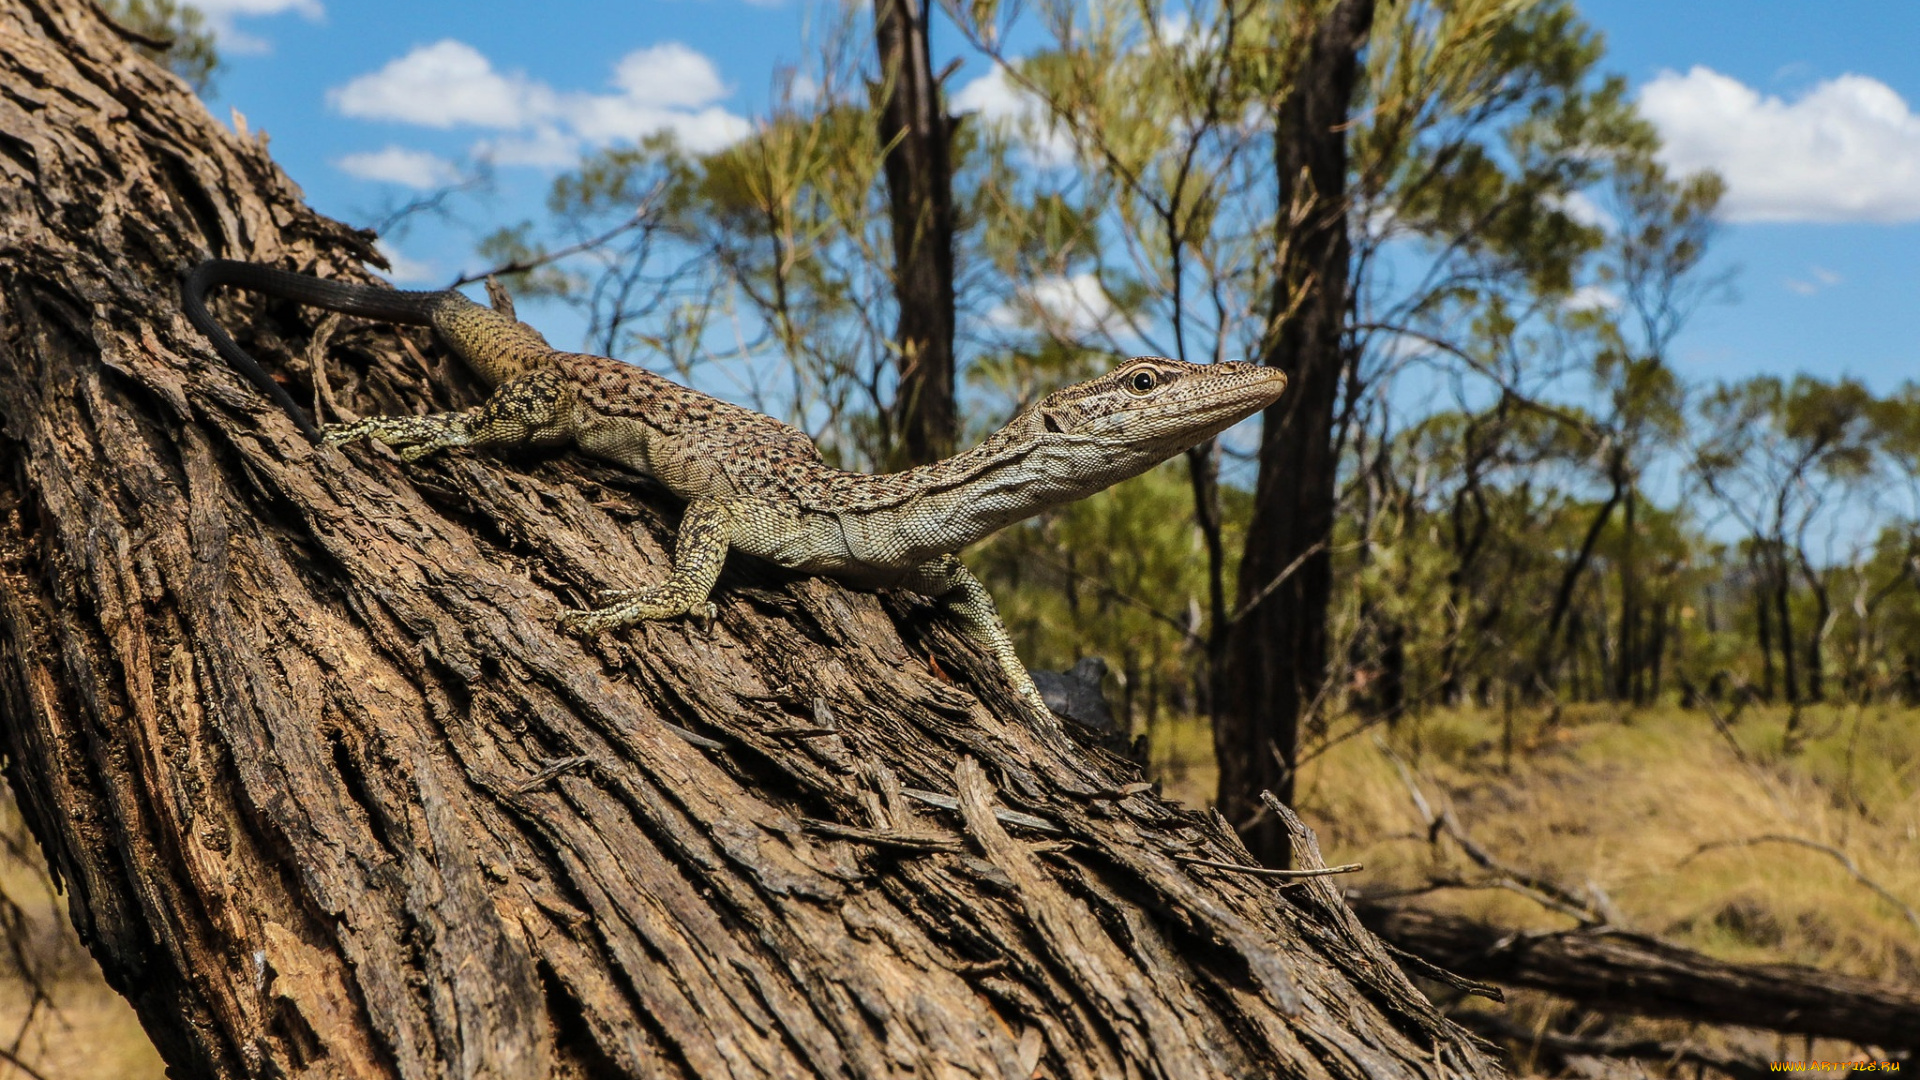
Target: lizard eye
1142,382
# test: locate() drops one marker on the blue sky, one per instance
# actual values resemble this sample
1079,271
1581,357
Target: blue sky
1805,108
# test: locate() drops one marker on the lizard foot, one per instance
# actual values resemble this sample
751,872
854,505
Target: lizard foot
635,609
414,437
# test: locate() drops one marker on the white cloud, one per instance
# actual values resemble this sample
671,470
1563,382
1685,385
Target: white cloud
220,16
1071,308
1822,278
1591,298
1002,103
442,85
399,165
1581,208
668,74
403,270
1847,150
994,97
803,89
545,147
667,87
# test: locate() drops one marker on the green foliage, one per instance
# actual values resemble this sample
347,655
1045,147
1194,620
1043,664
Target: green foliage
178,37
1120,575
1533,504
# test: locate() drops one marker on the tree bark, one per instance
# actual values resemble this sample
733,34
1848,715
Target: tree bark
1628,973
1276,654
331,794
919,134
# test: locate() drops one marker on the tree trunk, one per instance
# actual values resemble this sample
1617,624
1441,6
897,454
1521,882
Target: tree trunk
1203,476
1762,608
1276,655
919,133
1783,615
331,794
1615,971
1570,579
1626,672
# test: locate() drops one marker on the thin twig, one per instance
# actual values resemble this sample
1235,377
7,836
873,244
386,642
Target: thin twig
1011,817
1838,855
1541,890
552,769
885,837
14,1060
1427,969
1268,871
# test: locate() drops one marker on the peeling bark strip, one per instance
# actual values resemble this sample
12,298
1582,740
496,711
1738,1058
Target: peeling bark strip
332,796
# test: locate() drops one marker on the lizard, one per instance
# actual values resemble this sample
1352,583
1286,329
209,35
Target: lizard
752,483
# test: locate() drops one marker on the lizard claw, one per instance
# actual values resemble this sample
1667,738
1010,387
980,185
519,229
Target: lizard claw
584,623
704,616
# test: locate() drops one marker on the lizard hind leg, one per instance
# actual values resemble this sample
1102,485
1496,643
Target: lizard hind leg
536,409
699,550
949,580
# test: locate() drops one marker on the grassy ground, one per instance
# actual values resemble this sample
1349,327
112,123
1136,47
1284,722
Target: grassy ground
1618,804
80,1030
88,1032
1655,812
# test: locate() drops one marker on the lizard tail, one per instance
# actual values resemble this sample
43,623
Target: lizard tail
369,301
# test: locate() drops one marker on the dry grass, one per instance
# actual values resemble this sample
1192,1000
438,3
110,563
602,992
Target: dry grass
80,1029
89,1033
1622,803
1620,806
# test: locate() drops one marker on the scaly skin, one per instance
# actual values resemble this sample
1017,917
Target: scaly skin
756,485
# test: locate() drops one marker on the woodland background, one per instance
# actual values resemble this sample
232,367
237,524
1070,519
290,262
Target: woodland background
1494,577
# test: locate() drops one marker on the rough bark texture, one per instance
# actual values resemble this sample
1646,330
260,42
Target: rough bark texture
1630,973
1276,655
919,134
331,795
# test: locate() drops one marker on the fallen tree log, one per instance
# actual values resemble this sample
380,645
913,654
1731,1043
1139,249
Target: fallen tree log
1551,1050
331,794
1613,971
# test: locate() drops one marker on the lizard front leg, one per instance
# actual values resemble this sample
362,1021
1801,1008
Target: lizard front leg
956,587
535,409
698,551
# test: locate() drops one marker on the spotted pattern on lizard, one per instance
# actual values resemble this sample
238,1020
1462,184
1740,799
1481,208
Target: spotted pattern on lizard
754,484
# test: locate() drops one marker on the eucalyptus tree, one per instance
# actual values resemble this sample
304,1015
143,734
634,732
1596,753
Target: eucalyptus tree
1318,184
1777,457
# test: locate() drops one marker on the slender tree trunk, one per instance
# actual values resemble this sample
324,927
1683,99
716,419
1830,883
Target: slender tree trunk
1626,672
1276,655
1783,615
1570,578
1818,584
1203,475
1762,603
1657,637
919,166
332,795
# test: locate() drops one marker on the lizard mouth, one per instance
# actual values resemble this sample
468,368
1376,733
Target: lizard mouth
1240,400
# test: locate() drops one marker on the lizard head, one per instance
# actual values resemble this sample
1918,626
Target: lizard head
1082,438
1151,408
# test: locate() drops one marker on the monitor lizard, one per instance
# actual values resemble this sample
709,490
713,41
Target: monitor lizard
754,484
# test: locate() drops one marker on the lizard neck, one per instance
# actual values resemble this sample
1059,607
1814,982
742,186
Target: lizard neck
1014,474
495,345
